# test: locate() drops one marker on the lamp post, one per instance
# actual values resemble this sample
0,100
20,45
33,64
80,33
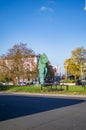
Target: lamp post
66,73
85,6
82,66
81,71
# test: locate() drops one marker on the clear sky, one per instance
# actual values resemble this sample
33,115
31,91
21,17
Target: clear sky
53,27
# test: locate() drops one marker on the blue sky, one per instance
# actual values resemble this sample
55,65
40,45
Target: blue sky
53,27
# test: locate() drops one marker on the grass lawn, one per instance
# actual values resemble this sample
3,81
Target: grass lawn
37,89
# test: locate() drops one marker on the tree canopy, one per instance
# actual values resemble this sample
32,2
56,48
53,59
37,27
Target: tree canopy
76,64
14,62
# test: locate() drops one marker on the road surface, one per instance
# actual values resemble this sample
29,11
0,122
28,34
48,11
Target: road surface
33,112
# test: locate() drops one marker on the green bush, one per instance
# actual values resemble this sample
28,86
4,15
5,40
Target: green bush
67,81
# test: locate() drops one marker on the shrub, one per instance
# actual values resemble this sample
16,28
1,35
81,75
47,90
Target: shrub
67,81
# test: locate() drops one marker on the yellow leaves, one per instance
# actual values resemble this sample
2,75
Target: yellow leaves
73,65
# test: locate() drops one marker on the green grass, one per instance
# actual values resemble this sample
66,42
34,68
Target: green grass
37,89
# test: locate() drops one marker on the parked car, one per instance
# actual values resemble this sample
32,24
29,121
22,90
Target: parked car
1,83
54,80
78,82
22,83
83,82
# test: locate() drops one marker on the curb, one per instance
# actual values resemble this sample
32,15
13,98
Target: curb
43,94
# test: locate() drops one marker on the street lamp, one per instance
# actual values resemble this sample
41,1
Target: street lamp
66,72
85,6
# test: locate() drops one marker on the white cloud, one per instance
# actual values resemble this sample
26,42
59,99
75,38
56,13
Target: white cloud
51,2
44,8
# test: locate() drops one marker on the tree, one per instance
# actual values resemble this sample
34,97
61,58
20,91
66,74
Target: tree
75,64
50,73
72,68
15,62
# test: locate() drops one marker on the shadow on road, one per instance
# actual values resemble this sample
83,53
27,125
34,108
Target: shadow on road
12,106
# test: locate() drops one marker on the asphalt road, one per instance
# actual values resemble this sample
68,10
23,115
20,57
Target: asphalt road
32,112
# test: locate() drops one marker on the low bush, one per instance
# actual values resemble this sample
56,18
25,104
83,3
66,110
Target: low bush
67,81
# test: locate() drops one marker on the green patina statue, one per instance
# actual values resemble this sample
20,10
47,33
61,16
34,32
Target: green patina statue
43,60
